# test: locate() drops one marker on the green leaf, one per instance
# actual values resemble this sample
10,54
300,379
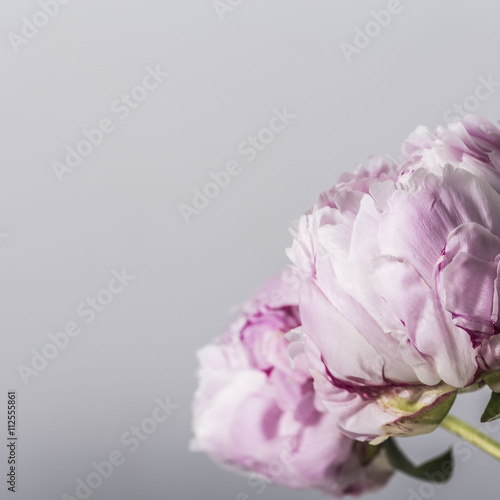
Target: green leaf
492,411
437,470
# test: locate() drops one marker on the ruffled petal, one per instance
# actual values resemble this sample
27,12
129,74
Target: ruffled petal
346,352
447,348
417,226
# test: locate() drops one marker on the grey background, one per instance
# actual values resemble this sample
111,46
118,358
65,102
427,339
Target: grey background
120,207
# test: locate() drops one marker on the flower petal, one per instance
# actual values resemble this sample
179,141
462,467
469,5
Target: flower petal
447,347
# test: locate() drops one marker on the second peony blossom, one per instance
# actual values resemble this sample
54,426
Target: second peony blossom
254,413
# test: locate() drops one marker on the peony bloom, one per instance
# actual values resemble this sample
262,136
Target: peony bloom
253,412
399,283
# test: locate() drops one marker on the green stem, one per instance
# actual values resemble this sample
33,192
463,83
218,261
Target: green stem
472,435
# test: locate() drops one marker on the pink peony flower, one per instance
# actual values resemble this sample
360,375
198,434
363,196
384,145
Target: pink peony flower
399,292
254,413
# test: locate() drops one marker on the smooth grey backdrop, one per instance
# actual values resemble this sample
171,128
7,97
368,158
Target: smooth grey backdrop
119,208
